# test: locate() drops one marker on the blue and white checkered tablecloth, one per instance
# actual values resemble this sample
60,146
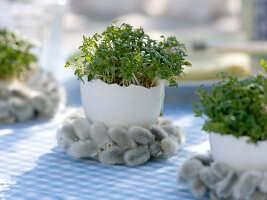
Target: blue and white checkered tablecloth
33,167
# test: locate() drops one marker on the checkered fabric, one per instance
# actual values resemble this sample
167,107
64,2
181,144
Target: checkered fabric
33,167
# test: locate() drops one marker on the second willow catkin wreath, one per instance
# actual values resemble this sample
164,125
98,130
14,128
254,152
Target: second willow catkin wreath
81,138
26,91
39,97
205,176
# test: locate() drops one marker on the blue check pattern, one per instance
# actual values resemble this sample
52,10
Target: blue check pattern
32,166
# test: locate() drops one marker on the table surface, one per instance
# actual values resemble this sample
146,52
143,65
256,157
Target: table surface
32,166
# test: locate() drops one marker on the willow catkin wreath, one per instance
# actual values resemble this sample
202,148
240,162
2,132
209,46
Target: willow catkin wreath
203,175
40,96
81,138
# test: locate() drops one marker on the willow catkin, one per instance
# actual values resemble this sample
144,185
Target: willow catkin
163,121
121,137
169,147
188,170
112,155
20,108
41,103
224,188
82,127
208,177
155,149
137,156
246,184
263,183
141,135
99,135
83,149
66,134
197,187
258,196
4,108
158,132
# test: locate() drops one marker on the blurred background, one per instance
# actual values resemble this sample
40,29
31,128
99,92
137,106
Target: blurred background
220,35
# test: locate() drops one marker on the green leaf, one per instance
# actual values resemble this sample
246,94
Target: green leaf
237,107
15,55
121,51
263,65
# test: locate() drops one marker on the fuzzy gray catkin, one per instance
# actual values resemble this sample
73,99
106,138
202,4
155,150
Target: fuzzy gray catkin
121,137
189,170
197,187
208,177
158,132
246,185
41,103
164,121
220,169
174,131
4,110
258,196
224,188
82,127
98,133
170,129
66,134
204,159
155,149
169,147
141,135
213,196
20,108
263,183
137,156
76,115
83,149
111,156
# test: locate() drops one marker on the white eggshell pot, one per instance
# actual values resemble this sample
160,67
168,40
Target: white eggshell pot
115,105
237,152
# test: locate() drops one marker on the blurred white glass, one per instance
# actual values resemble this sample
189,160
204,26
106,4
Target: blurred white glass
38,20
